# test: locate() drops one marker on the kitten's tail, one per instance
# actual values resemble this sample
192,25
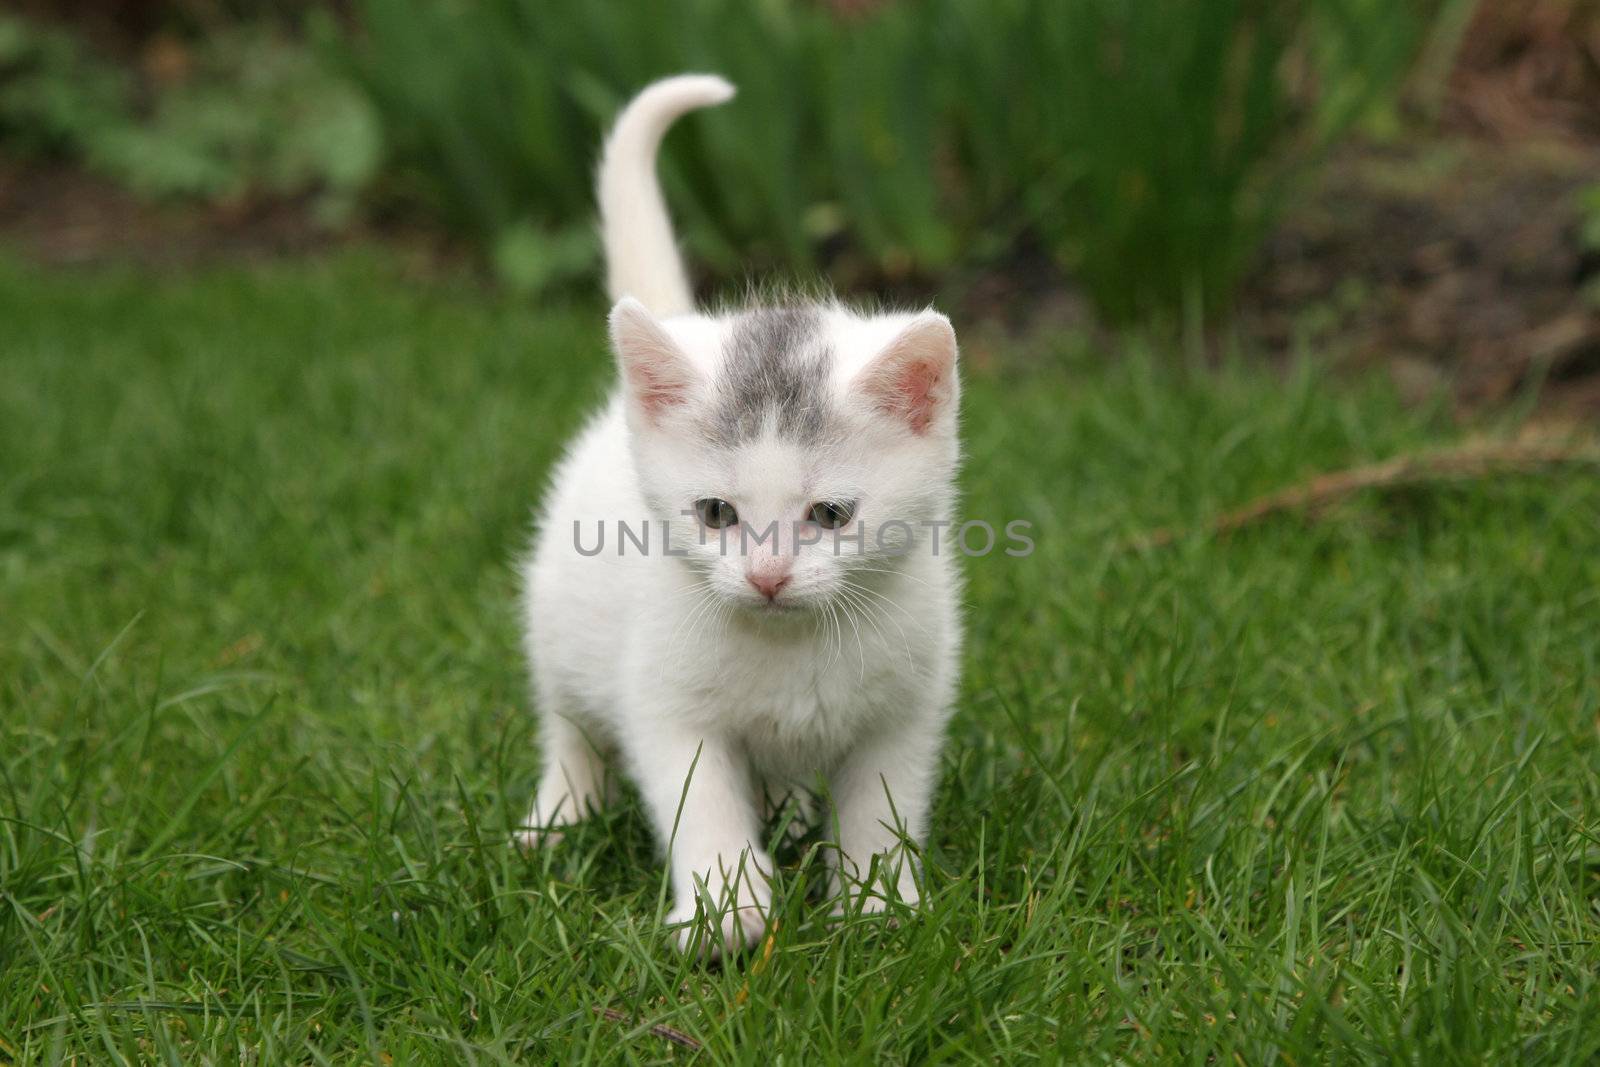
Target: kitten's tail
641,256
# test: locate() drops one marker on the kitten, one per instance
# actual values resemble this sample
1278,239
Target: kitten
792,620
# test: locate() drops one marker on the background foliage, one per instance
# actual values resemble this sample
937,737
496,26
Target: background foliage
1145,147
244,112
1321,790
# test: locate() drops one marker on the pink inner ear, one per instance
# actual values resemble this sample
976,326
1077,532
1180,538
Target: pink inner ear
658,386
658,374
913,392
913,378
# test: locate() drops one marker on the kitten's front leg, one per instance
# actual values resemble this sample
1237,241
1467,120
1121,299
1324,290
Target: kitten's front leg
881,796
574,783
701,799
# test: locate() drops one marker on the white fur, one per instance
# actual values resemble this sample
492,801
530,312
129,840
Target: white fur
641,255
650,664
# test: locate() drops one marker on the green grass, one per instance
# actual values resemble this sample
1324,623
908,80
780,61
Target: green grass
1318,792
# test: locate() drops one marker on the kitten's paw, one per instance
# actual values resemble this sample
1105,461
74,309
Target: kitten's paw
874,899
531,838
729,931
537,834
559,806
861,904
721,903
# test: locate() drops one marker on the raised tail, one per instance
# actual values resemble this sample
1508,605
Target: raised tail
642,258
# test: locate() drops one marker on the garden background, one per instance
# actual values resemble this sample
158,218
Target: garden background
1281,324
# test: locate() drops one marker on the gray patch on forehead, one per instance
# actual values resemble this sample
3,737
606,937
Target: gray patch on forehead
775,368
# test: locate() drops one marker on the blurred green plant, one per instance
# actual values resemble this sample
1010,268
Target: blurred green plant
256,113
1589,239
494,110
1151,144
1147,144
54,97
1589,218
251,113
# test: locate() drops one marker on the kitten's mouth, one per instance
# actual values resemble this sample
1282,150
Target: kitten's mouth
778,608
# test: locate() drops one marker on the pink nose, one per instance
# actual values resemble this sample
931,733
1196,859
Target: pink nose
768,583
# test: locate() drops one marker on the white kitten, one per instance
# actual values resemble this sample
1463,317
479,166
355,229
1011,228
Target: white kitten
763,667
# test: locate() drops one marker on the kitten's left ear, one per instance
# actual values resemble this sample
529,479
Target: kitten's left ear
914,378
657,376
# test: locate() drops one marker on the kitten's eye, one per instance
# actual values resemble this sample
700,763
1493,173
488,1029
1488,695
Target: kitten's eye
830,515
716,512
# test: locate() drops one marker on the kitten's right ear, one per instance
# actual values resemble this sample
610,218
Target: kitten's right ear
914,378
657,376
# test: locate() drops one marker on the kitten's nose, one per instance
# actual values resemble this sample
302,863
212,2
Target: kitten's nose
768,582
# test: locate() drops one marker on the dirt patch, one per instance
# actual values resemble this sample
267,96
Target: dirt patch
1462,262
59,215
1528,68
1459,265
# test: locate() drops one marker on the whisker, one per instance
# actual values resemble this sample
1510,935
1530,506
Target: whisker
893,571
688,624
890,602
870,613
861,652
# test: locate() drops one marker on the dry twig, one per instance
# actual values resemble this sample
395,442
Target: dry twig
661,1030
1466,462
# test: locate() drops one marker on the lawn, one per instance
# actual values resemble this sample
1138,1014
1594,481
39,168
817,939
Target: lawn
1322,790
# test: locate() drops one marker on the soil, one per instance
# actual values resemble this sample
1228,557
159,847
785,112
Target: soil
1459,265
1461,262
60,215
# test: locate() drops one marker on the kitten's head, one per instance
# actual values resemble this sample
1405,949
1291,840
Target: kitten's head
795,449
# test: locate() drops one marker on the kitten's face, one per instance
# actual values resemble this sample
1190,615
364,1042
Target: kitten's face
796,452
